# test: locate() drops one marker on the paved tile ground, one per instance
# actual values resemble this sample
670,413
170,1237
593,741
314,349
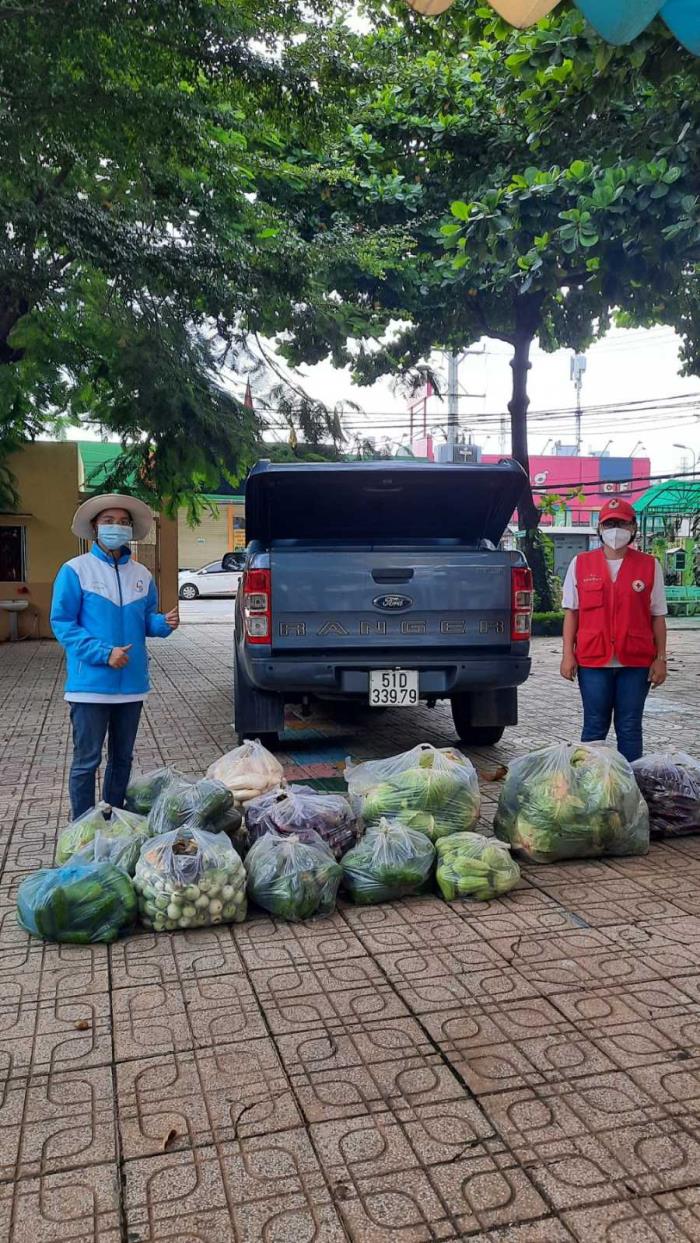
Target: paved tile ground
524,1070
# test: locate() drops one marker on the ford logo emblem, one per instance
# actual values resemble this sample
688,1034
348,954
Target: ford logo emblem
392,603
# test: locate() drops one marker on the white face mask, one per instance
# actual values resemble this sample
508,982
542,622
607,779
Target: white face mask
616,537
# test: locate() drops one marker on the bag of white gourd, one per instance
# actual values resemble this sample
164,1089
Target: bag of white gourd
189,878
249,771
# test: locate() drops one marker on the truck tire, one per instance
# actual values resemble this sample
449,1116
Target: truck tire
255,713
501,706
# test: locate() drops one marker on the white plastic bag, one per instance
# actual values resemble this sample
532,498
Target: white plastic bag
391,861
435,791
189,879
249,771
302,810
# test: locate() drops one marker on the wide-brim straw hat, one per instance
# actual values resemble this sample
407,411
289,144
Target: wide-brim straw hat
85,514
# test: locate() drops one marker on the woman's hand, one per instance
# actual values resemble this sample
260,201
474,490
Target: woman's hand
173,618
569,668
658,673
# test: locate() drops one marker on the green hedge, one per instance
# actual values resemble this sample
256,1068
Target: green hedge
547,623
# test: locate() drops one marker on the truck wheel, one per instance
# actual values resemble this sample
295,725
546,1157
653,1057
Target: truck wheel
469,733
255,713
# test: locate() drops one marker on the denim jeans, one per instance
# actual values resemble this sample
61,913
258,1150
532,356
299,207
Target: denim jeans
91,723
617,694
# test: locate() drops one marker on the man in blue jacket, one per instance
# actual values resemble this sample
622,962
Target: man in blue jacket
104,608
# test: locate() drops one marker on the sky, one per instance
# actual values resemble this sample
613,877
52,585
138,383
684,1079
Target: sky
627,366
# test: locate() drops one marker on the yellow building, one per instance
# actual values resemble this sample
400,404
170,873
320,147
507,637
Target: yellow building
35,541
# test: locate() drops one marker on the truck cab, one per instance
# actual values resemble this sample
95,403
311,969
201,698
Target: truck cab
382,582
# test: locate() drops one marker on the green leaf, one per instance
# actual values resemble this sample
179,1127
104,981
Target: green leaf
460,209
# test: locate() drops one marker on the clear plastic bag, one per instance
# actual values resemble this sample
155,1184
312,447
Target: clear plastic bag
189,879
470,865
432,790
200,804
79,833
300,809
118,841
391,861
143,789
572,802
81,903
249,771
670,784
291,878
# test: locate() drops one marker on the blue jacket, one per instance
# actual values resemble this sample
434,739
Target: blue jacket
99,603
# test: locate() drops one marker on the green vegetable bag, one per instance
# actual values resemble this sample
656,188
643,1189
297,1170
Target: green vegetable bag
117,840
391,861
80,832
81,903
143,790
572,802
435,791
189,879
196,803
473,866
291,878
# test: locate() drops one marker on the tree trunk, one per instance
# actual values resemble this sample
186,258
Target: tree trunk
528,513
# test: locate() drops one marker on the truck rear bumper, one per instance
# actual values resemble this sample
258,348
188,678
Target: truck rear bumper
349,676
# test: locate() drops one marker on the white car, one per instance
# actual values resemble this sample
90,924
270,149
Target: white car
218,578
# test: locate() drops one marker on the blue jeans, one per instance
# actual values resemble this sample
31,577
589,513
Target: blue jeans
91,723
618,694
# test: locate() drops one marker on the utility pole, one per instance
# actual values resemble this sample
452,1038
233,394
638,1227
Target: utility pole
452,404
578,367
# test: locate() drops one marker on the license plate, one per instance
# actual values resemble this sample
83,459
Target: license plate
393,688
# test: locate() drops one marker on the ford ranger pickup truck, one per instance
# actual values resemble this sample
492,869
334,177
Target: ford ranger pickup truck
382,582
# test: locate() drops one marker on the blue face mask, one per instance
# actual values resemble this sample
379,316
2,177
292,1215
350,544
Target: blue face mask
114,537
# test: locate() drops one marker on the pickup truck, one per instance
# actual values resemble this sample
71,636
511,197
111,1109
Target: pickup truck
382,582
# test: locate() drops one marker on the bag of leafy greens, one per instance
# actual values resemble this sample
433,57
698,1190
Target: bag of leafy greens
80,832
118,841
306,812
670,784
292,878
430,789
391,861
572,802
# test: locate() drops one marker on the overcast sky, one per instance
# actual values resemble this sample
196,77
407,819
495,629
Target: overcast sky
627,366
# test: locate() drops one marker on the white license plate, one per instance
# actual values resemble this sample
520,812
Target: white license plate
393,688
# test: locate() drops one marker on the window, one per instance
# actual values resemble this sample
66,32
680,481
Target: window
12,555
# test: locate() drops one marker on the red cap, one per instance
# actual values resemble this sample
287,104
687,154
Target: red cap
618,509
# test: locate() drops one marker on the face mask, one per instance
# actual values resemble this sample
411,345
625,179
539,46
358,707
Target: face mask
114,536
616,537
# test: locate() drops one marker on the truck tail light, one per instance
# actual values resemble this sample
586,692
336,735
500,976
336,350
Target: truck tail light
521,603
257,606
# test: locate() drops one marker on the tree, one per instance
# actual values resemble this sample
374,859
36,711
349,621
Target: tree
133,257
505,184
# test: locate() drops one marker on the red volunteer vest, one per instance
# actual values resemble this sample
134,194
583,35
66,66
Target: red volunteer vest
615,617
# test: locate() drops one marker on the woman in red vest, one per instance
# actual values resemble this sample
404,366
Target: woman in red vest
615,630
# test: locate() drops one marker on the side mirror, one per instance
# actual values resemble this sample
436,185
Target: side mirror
230,561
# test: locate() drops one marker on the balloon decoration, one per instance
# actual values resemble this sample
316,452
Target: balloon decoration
618,21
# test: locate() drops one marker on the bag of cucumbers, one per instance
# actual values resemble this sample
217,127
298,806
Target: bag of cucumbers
473,866
292,877
189,878
143,789
205,804
80,902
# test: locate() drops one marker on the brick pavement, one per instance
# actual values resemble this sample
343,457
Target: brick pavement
524,1070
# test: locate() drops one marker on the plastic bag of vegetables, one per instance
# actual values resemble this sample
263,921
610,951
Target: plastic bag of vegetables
200,804
79,902
249,771
473,866
435,791
391,861
670,784
292,878
572,802
301,810
118,841
143,790
80,832
189,879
